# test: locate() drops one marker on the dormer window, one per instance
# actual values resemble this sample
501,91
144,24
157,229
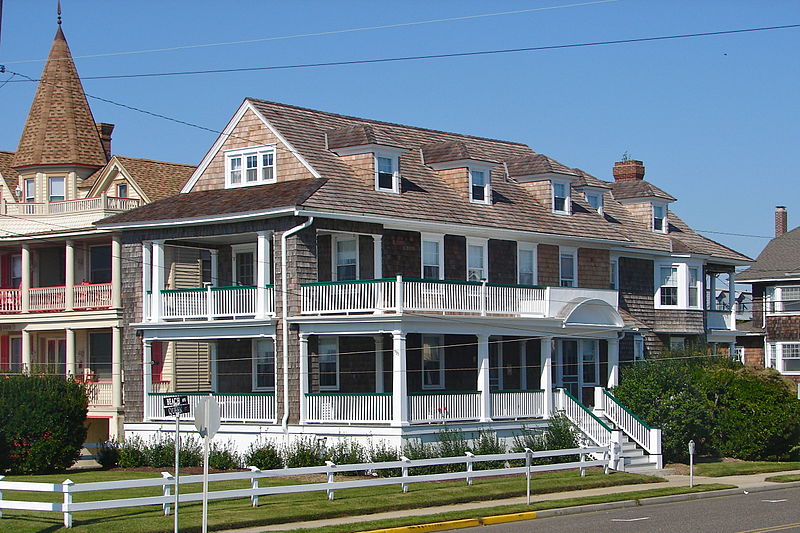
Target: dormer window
595,199
560,197
250,166
479,191
387,176
55,189
659,218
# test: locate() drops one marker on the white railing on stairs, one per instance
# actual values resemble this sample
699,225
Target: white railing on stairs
649,438
594,428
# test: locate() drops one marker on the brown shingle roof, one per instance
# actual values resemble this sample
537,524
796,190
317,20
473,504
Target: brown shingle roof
537,164
60,129
624,190
358,135
157,179
587,180
443,152
780,259
9,175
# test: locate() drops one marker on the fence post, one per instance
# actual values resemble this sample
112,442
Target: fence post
616,447
405,472
528,460
470,459
254,485
1,497
331,465
606,458
582,468
167,492
483,297
655,447
65,487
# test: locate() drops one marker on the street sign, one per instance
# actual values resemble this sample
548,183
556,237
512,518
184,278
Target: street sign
175,405
206,416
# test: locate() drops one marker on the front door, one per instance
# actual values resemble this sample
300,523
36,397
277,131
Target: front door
570,370
578,363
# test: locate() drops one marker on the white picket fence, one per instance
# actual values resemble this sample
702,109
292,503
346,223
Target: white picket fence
68,488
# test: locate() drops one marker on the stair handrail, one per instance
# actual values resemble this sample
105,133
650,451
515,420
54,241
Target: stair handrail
633,426
600,437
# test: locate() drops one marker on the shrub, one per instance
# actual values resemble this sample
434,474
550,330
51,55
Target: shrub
223,457
304,451
43,423
347,452
382,453
108,454
416,449
132,453
265,455
560,434
487,443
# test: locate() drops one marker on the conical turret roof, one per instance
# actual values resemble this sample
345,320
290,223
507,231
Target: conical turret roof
60,129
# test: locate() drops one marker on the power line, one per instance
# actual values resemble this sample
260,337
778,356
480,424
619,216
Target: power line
324,33
431,56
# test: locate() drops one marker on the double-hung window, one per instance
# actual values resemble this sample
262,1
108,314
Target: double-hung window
432,255
614,274
560,197
30,190
55,189
263,365
432,362
783,299
250,166
479,190
784,357
638,348
595,199
244,263
669,285
526,265
694,287
346,258
16,271
387,177
100,264
476,260
568,268
659,218
329,363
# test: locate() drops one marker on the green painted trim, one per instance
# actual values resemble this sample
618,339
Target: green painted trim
211,394
445,281
443,392
174,291
233,288
348,394
349,282
519,390
568,393
516,286
625,408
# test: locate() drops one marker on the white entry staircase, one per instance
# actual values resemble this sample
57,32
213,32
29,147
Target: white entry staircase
637,445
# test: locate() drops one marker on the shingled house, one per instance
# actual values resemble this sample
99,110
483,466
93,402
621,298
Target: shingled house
346,277
773,337
60,289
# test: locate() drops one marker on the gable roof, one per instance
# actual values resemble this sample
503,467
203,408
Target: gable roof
8,174
537,164
156,179
60,128
780,259
624,190
358,135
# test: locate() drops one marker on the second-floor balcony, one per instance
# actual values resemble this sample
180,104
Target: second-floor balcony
41,299
399,295
211,303
101,204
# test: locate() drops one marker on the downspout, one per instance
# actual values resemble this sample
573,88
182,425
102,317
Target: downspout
285,300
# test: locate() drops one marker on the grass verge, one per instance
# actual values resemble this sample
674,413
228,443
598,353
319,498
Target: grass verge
786,478
736,468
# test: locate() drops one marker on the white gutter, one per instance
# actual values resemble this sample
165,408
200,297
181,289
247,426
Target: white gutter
285,321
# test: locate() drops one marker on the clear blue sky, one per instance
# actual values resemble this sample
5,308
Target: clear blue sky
715,119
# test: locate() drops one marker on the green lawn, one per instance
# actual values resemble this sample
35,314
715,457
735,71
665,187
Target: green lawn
736,468
786,478
281,508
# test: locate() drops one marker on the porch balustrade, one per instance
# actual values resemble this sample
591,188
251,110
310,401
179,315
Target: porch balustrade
362,408
517,404
81,205
85,296
92,295
100,394
47,298
10,300
398,295
647,437
597,430
212,303
443,407
233,407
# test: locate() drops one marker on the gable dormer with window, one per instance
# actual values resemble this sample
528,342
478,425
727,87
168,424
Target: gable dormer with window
370,153
469,173
250,166
550,182
643,200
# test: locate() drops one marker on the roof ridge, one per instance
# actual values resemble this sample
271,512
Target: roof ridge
154,160
385,123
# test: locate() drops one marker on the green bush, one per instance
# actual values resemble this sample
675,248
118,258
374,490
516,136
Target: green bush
382,453
223,457
487,443
265,455
560,434
108,454
347,452
416,449
304,451
132,453
43,423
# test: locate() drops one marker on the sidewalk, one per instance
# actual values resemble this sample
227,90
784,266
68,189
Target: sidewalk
745,482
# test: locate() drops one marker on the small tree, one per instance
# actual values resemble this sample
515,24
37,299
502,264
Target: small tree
42,420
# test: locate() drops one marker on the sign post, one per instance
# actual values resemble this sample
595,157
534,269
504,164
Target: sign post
207,422
176,405
691,463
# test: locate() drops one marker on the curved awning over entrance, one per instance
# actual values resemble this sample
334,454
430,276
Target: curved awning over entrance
590,312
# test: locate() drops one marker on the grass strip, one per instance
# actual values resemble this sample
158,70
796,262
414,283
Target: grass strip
786,478
735,468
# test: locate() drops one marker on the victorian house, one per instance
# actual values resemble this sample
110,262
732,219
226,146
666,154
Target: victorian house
61,301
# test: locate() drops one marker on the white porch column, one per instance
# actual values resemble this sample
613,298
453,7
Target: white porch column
25,284
613,363
116,272
732,301
303,377
546,382
71,366
399,380
484,384
157,280
26,351
69,278
378,363
214,267
712,291
116,366
377,251
147,273
147,376
262,273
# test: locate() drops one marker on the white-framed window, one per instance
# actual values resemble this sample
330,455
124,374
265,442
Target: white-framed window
387,173
784,357
660,223
694,287
122,190
329,363
263,365
526,264
595,199
480,190
477,259
781,299
613,273
677,343
29,190
568,267
432,362
590,360
678,285
771,356
55,189
668,288
561,197
432,256
638,347
250,166
345,257
244,264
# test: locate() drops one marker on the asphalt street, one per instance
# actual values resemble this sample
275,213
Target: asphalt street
756,512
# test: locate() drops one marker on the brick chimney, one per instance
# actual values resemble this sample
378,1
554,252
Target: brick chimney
780,220
628,170
105,130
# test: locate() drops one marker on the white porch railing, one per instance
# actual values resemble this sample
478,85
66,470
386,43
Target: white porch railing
81,205
362,296
366,408
214,302
443,407
587,422
160,386
92,295
517,404
47,298
10,300
100,394
647,437
233,407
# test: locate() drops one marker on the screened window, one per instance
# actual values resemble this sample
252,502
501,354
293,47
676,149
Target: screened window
30,190
589,359
251,168
432,362
527,268
55,188
479,186
346,259
264,365
476,262
431,259
567,264
100,264
329,363
560,195
669,285
659,222
772,356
